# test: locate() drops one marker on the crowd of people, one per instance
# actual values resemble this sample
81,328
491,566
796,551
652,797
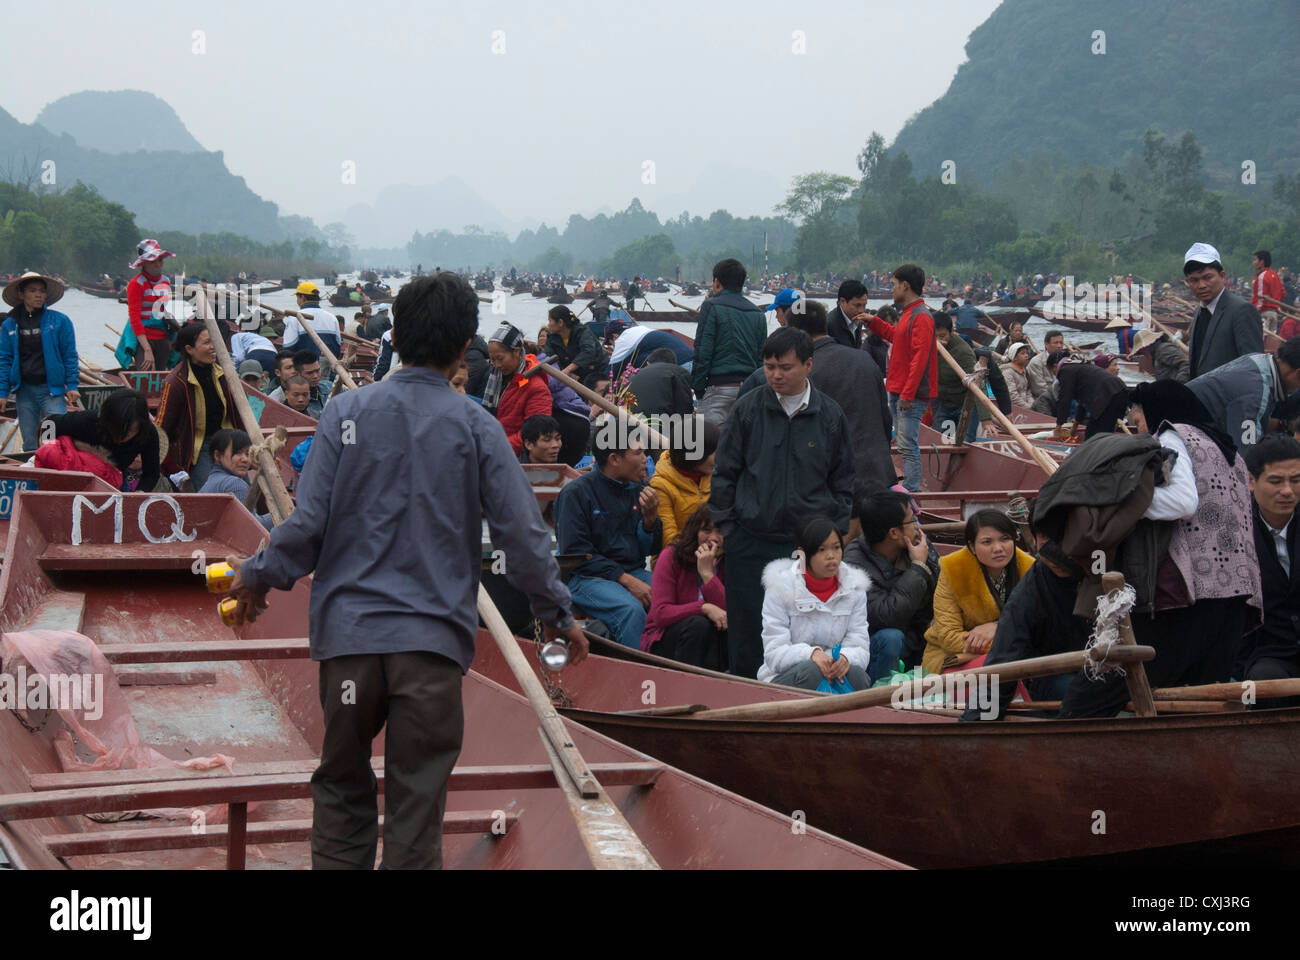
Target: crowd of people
761,529
788,492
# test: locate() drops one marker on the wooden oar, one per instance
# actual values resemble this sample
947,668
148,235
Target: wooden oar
912,689
593,397
113,331
1038,456
1283,308
4,444
610,841
1154,322
268,472
344,377
1262,689
682,306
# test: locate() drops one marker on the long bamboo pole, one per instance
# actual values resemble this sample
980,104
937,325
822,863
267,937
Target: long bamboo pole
268,472
1038,456
1154,322
593,397
334,361
915,688
611,843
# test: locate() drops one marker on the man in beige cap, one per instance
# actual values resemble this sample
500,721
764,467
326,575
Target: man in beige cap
1168,360
38,354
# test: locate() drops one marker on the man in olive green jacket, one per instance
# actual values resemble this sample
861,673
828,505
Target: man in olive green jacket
728,342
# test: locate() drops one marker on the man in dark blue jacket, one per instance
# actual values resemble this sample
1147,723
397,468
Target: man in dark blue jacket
612,516
38,354
785,455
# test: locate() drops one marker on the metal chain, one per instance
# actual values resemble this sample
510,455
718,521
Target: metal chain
553,683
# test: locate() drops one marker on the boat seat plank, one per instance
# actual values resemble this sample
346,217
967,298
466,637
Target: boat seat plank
89,786
58,610
178,555
203,651
183,837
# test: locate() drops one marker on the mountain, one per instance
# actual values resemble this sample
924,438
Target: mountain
182,188
1033,85
400,210
123,121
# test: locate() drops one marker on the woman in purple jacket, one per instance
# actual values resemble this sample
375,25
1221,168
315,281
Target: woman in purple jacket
688,602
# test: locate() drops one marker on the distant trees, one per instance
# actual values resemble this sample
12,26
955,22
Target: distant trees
79,234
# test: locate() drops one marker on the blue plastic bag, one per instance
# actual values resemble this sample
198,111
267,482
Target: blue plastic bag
835,686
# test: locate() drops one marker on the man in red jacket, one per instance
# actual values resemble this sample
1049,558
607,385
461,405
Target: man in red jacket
913,378
1266,288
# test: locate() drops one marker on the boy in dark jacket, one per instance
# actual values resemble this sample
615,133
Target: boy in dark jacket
786,454
612,516
904,569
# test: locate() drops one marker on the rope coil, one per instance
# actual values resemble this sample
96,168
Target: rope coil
1112,607
272,444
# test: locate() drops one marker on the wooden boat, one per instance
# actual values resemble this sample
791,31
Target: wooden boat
343,300
659,288
105,293
1028,300
560,298
129,589
888,779
664,316
957,480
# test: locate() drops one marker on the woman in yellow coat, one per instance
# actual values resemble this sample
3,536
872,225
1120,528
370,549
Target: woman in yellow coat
682,476
974,584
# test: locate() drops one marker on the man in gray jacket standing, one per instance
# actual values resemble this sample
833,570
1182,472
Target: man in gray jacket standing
1226,326
389,517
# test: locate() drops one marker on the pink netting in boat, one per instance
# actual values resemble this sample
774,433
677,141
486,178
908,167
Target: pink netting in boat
63,672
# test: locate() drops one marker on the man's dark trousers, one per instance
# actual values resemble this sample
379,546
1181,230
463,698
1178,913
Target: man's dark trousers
416,699
746,556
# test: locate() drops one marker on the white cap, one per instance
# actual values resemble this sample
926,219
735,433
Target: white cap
1202,253
1016,348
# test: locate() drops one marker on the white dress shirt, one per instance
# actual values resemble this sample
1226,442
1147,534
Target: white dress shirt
792,405
1279,544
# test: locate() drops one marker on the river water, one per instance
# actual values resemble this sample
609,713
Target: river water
89,316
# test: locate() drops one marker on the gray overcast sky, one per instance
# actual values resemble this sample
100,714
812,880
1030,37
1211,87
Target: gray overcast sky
562,121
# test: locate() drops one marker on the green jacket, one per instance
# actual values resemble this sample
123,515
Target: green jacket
952,394
728,340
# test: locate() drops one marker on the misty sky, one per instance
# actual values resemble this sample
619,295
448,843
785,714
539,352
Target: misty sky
562,121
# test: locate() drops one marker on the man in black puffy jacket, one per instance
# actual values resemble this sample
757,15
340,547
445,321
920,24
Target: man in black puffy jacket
786,454
904,568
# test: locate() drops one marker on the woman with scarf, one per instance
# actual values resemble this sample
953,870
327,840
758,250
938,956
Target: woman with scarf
196,403
510,396
1200,553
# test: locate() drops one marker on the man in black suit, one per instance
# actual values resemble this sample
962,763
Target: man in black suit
1226,326
1273,648
840,327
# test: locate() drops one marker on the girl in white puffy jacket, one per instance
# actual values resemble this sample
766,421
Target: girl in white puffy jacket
810,605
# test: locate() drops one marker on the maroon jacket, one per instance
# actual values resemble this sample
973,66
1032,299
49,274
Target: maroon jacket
675,595
182,398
